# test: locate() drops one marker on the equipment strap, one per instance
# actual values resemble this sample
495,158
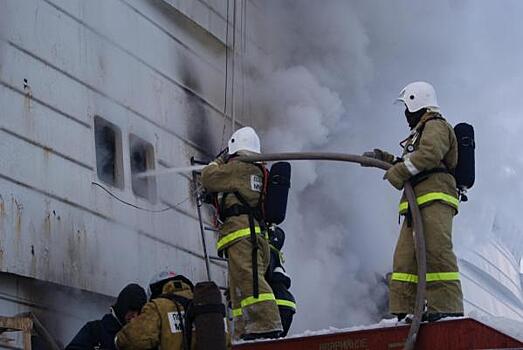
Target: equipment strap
424,175
177,298
254,242
235,210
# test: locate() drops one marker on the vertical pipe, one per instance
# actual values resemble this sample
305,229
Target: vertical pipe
202,230
233,111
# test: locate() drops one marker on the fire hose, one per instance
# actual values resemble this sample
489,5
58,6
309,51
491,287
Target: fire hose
419,239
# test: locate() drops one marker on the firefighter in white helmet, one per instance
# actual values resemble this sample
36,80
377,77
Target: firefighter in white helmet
238,189
429,157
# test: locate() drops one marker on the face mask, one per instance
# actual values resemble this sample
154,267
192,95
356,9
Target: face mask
413,118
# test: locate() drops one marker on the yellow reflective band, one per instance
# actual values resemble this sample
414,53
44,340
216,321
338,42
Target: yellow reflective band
244,232
442,276
429,197
237,312
404,277
252,300
287,303
431,277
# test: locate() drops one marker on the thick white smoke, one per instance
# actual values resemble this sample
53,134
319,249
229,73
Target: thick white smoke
301,102
328,83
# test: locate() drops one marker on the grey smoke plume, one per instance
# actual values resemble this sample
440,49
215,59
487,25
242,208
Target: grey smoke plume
328,83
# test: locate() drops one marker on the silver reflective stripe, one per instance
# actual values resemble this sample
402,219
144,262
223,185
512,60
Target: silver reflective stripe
280,270
410,167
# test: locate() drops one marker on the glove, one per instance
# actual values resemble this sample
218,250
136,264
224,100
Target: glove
376,154
394,176
221,159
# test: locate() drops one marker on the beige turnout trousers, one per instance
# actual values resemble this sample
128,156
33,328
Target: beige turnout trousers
251,315
443,286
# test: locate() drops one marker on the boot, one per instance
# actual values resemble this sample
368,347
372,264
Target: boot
266,335
435,316
400,316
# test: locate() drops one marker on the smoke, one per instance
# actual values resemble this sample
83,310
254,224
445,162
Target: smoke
327,83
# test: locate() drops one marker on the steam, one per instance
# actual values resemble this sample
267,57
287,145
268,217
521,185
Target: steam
333,70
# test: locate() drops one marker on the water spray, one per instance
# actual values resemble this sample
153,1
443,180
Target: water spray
177,170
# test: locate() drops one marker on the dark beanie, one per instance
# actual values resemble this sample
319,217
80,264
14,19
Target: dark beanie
131,298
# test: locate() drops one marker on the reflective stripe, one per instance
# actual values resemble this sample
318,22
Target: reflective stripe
404,277
252,300
431,277
429,197
244,232
287,303
410,167
442,276
280,271
237,312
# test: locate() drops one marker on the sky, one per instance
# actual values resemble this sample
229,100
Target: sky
328,82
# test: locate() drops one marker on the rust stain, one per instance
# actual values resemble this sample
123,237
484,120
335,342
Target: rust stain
47,152
47,225
76,253
2,230
2,206
33,261
18,219
28,99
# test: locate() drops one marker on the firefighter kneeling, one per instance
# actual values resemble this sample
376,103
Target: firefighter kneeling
239,187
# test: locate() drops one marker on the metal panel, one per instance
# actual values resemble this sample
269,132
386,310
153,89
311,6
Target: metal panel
78,62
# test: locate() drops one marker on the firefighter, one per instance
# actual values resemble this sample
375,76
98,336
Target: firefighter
430,155
161,323
238,187
100,334
279,280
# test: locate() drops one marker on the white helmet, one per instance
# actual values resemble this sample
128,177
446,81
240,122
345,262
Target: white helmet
160,279
418,95
244,139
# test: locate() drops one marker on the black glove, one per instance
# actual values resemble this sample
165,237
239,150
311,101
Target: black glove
376,154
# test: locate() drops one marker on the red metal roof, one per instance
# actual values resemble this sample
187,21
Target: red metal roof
452,334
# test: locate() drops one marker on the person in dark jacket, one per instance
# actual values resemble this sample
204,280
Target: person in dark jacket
279,281
100,334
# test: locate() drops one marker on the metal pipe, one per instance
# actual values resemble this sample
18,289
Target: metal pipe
417,231
42,331
202,231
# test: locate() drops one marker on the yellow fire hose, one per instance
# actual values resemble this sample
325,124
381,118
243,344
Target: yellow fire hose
419,237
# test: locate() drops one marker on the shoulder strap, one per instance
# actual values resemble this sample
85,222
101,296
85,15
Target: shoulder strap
185,302
185,322
422,127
